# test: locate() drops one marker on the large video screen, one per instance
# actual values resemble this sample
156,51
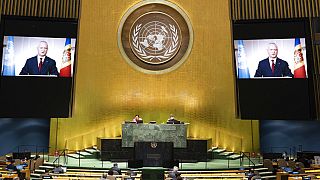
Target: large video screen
273,63
38,56
38,66
271,58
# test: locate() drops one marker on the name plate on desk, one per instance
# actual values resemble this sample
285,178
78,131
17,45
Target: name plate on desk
176,133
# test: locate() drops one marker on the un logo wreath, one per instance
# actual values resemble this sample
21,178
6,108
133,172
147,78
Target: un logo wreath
155,36
149,57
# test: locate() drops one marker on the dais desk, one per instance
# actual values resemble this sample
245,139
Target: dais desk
176,133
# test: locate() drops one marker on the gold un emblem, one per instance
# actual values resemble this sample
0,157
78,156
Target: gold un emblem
155,36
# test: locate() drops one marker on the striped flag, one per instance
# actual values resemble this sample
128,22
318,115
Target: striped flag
65,70
299,66
243,70
8,60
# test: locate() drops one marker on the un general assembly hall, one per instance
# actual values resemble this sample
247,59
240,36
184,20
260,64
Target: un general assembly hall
160,89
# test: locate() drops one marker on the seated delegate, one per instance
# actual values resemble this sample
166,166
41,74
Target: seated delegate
137,119
172,120
11,166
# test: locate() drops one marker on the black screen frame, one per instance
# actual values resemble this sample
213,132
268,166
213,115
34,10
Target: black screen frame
37,97
257,98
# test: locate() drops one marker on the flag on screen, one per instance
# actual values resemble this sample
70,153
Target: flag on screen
243,70
65,70
8,60
299,66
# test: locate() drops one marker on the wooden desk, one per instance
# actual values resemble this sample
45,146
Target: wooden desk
86,175
26,173
287,176
9,175
282,175
316,166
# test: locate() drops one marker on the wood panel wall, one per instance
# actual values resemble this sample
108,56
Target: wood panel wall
41,8
273,9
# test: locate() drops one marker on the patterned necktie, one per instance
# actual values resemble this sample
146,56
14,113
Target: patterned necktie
40,64
272,66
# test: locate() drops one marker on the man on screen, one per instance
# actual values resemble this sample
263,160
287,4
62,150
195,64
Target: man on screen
40,64
273,66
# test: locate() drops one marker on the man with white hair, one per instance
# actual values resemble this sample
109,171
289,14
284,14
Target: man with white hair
273,66
40,64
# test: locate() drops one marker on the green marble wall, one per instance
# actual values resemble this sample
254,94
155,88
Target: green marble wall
176,133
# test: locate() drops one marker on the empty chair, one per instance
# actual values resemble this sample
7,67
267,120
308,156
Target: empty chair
291,164
38,163
282,163
299,167
256,176
31,165
300,164
267,163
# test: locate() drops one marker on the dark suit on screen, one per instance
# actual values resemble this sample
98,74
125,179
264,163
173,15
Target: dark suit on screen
48,67
281,69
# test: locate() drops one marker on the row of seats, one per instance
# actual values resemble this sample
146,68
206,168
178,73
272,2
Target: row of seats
79,173
281,163
185,174
291,169
25,170
210,174
97,173
32,163
90,176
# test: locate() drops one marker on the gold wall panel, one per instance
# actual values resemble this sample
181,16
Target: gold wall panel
41,8
109,91
271,9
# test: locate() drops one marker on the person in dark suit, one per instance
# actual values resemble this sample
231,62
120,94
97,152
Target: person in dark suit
116,168
11,166
40,64
110,175
58,169
273,66
130,173
172,120
174,174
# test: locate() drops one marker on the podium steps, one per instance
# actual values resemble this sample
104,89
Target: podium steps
221,153
215,151
95,153
224,155
218,150
91,150
234,156
76,155
87,153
